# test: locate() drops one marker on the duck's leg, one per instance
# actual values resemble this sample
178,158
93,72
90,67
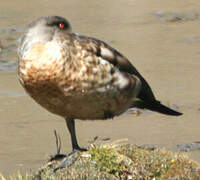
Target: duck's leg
71,127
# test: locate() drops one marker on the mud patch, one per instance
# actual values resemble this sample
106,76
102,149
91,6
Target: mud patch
176,17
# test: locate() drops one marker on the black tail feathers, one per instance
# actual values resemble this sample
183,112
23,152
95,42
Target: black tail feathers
158,107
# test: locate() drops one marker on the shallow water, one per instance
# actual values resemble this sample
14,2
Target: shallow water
166,53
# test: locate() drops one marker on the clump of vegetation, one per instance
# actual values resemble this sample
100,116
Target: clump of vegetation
113,161
107,159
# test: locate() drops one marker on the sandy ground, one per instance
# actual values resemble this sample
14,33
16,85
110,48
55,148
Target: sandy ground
162,51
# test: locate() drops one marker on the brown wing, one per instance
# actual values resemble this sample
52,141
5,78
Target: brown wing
118,60
124,65
146,96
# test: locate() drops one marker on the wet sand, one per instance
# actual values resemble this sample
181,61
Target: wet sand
166,53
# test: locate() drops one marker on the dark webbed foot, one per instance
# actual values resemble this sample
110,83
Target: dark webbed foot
79,149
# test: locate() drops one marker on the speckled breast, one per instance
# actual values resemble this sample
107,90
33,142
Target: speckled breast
75,91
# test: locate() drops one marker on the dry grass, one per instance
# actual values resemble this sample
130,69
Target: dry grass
113,161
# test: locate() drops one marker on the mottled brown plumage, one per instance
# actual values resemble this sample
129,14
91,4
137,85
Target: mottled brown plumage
78,77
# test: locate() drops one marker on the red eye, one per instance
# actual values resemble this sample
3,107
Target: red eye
61,25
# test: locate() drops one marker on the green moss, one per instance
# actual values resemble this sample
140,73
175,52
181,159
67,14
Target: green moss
107,159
